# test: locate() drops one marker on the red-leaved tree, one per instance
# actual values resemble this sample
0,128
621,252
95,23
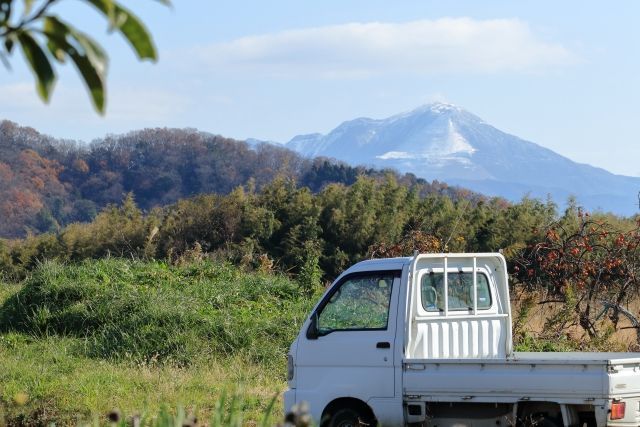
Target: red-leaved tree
589,264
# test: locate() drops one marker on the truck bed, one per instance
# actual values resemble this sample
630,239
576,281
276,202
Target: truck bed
573,378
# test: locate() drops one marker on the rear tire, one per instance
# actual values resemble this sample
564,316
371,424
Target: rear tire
547,422
349,417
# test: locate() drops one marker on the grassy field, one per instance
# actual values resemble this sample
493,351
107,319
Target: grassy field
77,341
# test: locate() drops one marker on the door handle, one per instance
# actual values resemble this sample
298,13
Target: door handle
383,344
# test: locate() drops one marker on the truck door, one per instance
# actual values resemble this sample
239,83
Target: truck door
348,350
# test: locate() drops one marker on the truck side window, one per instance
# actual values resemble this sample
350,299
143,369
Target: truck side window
460,293
360,303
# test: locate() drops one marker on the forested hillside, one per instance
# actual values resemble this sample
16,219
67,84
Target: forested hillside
47,183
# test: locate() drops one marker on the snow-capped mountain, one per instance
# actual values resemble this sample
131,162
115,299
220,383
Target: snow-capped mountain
444,142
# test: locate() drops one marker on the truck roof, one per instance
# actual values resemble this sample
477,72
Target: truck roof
380,263
400,262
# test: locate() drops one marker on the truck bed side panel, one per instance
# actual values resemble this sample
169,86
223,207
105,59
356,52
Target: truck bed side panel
512,380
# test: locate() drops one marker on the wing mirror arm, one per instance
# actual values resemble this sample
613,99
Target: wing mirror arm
312,330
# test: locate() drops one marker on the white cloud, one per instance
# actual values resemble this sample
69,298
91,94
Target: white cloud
459,45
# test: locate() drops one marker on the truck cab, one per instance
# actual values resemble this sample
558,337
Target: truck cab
426,340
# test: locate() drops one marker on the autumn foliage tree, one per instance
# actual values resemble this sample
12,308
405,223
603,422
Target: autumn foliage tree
25,191
589,264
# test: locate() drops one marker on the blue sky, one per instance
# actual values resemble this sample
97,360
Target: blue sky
561,74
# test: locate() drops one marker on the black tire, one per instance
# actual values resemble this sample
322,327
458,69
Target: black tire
349,417
547,422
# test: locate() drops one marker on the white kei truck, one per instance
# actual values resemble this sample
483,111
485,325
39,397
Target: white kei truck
426,341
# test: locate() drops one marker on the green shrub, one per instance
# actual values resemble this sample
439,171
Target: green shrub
529,342
155,312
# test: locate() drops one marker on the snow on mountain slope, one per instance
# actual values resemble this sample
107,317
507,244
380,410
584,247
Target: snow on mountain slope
444,142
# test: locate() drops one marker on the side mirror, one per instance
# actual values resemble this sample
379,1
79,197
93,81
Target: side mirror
312,330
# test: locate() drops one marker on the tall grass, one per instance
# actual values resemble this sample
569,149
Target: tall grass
153,312
81,339
62,386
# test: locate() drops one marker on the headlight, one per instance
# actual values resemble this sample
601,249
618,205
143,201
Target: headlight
290,367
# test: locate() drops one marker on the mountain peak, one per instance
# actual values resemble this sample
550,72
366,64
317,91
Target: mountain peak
439,107
436,110
446,142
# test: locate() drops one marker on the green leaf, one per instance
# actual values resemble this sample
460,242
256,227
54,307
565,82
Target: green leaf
93,79
39,63
130,27
53,31
111,13
56,51
93,51
8,43
86,55
89,47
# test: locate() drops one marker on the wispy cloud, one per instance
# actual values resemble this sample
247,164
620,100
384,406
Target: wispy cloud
459,45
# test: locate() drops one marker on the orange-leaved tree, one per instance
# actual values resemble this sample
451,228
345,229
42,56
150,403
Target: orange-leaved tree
588,263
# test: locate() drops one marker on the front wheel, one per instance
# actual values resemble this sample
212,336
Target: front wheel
348,417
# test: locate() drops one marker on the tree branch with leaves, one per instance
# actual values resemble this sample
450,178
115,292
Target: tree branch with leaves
45,40
591,265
